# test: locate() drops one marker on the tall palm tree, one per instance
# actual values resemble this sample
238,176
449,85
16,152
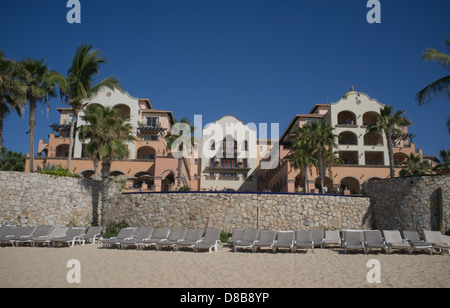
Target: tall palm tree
39,88
443,166
414,166
389,123
12,90
439,86
320,137
108,133
79,84
301,155
170,139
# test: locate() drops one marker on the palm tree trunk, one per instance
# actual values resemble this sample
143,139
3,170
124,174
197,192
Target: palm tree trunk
305,178
2,117
321,169
179,172
391,153
72,129
106,168
32,127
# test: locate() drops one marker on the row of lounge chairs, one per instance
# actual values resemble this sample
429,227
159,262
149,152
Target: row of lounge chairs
388,240
52,236
171,238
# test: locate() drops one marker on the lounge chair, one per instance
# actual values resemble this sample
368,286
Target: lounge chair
174,237
74,234
248,239
141,234
266,239
22,232
41,231
354,240
210,241
124,233
303,239
416,243
332,237
236,235
8,232
285,239
438,240
193,237
92,234
317,238
374,240
158,235
56,232
394,240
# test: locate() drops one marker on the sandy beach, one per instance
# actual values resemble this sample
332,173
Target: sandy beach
101,268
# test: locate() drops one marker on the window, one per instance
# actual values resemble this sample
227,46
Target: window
148,137
213,145
152,121
211,162
245,145
228,162
245,163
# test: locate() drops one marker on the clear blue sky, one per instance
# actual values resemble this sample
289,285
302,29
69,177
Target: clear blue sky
262,61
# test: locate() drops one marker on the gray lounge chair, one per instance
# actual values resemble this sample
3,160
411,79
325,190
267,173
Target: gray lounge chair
143,233
158,235
354,240
174,237
210,241
413,238
193,237
332,237
92,234
317,238
266,239
285,239
438,240
374,240
22,233
41,231
394,240
56,232
9,232
124,233
303,239
248,239
74,234
236,235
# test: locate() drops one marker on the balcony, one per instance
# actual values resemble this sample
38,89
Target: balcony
150,129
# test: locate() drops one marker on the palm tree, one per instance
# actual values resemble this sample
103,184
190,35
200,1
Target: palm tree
170,140
389,124
12,90
439,86
414,166
443,166
320,136
78,86
108,133
301,155
11,161
38,88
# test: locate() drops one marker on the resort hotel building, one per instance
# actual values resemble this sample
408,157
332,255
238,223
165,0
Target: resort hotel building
228,156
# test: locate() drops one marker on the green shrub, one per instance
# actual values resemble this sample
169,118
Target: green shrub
113,228
56,171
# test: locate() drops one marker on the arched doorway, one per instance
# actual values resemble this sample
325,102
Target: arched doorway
352,184
327,184
168,182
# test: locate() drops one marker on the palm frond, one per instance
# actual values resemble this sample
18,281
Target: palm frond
432,90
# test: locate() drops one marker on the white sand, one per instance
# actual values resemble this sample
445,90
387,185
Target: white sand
46,267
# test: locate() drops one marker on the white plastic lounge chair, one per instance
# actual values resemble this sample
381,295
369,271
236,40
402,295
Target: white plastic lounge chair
394,240
158,235
438,240
92,234
332,237
143,233
193,237
22,233
174,237
248,239
124,233
41,231
317,238
354,240
266,239
56,232
303,239
236,235
374,240
210,241
413,238
74,234
285,239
